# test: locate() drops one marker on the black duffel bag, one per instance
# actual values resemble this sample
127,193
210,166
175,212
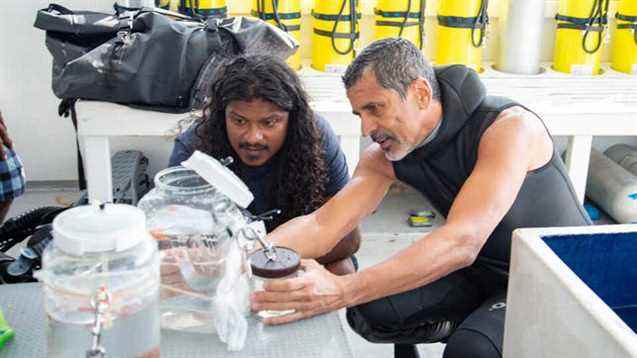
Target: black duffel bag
147,57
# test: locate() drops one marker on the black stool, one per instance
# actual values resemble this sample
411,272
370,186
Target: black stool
434,333
406,351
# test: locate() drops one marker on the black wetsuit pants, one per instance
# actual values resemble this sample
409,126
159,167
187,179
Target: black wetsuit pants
465,309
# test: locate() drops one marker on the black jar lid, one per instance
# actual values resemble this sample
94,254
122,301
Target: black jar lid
286,263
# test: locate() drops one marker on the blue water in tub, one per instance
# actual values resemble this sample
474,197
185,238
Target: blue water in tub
607,263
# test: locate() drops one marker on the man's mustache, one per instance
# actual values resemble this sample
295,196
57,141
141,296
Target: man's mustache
251,146
381,136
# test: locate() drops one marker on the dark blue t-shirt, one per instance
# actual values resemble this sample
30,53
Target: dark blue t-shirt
337,173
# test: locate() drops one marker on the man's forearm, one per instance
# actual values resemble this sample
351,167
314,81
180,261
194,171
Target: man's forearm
345,248
425,261
300,234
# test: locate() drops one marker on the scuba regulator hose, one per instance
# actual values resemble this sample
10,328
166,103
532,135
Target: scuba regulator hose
275,13
421,21
16,229
353,20
421,24
480,24
598,15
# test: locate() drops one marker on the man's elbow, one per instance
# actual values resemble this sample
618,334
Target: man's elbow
468,248
345,248
354,241
348,245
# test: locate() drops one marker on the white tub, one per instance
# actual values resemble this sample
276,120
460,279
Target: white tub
568,288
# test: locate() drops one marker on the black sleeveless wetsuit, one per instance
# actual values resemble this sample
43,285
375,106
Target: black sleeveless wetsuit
466,308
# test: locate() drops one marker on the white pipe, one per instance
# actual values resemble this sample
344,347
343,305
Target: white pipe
612,187
520,37
624,155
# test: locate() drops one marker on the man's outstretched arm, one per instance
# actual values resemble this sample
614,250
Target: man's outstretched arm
316,234
506,153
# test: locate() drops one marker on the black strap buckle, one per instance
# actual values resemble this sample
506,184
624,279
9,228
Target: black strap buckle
626,17
475,23
595,23
337,35
579,23
271,16
396,23
632,24
463,22
398,14
328,17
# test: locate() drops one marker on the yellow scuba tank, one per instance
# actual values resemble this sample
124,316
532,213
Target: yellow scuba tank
624,47
164,4
285,14
335,32
205,8
461,31
580,36
401,18
172,5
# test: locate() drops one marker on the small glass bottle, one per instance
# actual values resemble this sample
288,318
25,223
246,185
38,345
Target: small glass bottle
284,264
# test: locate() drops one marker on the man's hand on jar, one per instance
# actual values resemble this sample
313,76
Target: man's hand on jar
4,138
315,291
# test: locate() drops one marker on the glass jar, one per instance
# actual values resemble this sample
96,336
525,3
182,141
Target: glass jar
183,203
195,225
102,266
279,263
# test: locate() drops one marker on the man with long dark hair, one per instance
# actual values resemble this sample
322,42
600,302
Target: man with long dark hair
258,113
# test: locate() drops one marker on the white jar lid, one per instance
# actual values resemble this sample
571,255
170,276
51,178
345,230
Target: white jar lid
92,228
222,178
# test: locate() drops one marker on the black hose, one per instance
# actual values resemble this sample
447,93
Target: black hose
481,23
421,23
275,13
406,17
353,21
261,9
194,9
16,229
598,15
192,6
277,18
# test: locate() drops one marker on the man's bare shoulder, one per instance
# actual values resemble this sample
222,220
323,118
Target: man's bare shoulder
518,122
521,119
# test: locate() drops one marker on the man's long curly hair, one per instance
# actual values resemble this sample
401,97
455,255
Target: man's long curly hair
299,169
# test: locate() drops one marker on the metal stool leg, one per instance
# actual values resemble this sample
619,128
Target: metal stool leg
406,351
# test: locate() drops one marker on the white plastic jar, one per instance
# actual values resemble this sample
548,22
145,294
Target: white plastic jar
101,259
